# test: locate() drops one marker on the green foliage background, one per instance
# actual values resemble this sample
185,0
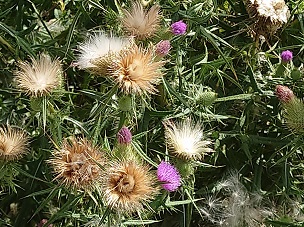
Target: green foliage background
217,54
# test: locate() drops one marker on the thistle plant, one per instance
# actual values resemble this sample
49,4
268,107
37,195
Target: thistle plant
136,110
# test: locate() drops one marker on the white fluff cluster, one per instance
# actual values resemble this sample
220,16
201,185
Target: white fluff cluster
98,46
269,16
275,10
232,205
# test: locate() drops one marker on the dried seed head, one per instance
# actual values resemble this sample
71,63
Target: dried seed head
77,164
136,71
40,77
13,143
186,140
269,15
128,186
139,22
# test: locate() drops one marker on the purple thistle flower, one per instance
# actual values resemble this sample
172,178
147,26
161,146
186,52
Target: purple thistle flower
286,56
179,28
169,176
163,47
124,135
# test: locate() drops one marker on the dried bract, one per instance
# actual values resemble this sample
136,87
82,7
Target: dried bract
77,164
128,186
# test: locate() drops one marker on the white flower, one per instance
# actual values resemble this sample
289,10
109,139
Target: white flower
186,140
100,46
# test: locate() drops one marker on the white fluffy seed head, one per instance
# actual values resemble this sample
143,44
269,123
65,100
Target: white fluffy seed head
99,46
269,15
40,77
186,140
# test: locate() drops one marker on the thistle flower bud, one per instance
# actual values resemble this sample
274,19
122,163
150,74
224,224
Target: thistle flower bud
286,56
284,94
293,108
125,103
296,74
206,98
179,28
124,136
162,48
169,176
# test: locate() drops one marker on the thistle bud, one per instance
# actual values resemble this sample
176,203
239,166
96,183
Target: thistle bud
124,136
295,74
293,109
206,98
284,94
125,103
162,48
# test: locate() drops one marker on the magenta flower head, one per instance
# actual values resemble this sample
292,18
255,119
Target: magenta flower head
124,136
286,56
169,176
163,47
284,94
179,28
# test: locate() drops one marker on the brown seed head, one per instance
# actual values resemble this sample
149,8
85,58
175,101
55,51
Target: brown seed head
136,71
76,164
139,22
128,186
40,77
13,143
